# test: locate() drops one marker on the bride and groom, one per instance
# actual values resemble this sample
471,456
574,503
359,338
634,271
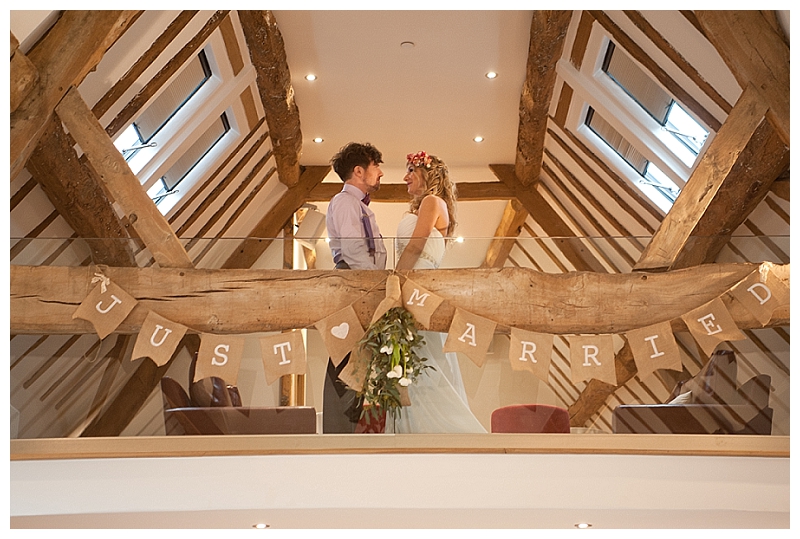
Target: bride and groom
438,400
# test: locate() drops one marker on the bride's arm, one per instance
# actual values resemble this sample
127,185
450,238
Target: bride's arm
430,211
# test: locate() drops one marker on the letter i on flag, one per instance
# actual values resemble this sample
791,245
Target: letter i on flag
283,354
654,347
157,339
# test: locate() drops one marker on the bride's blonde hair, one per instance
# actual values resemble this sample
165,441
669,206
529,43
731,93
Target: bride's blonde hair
437,180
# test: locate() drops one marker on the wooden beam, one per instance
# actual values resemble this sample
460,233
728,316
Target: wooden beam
398,192
733,176
274,83
273,221
65,55
781,187
43,298
79,197
124,186
24,75
756,54
125,116
126,404
548,31
510,226
563,236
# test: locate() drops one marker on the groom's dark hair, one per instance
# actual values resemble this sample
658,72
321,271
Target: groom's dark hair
352,155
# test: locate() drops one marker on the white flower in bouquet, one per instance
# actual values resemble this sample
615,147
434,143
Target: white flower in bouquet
397,372
387,349
404,381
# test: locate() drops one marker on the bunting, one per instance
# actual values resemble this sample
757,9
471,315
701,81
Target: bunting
591,356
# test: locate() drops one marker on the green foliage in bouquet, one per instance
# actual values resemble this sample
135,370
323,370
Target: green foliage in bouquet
390,343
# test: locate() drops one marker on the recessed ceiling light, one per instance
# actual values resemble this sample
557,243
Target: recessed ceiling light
478,139
460,239
491,75
583,525
261,526
318,140
407,44
311,76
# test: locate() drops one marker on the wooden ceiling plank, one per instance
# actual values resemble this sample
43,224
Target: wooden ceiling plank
548,32
124,186
756,53
274,82
79,197
125,116
553,258
638,54
733,175
42,299
577,254
63,57
514,215
209,198
260,237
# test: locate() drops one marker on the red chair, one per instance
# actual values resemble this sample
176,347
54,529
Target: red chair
530,418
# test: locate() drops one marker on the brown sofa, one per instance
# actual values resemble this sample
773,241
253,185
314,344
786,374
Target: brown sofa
220,413
708,403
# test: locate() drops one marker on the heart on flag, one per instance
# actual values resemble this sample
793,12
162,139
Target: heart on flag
341,331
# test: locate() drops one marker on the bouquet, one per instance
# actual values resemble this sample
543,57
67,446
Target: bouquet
394,364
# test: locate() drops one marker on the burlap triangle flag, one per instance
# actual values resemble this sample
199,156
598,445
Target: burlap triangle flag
356,371
761,293
711,324
282,354
106,307
340,332
158,338
220,356
531,351
391,300
592,356
654,347
471,335
420,302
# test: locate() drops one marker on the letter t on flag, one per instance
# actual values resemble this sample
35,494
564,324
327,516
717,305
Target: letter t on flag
282,354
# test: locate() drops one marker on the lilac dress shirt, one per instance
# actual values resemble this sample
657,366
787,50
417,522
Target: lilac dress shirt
346,231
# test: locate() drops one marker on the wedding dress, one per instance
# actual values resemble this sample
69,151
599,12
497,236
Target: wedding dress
438,399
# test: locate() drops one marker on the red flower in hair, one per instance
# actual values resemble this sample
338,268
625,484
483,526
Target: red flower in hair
419,159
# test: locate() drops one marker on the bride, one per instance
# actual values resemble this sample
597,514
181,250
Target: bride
438,400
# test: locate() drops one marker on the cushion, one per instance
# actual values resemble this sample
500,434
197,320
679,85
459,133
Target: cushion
683,398
210,391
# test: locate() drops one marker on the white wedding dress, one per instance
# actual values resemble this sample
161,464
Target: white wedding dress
438,400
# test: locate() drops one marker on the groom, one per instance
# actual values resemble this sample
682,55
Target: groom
355,244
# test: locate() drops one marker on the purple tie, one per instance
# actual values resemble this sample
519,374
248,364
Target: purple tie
365,200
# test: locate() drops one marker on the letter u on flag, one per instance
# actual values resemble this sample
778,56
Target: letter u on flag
220,356
158,339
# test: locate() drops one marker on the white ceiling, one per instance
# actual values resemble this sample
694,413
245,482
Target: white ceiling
433,96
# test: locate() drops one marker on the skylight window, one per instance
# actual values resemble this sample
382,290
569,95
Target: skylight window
166,185
140,134
679,132
651,180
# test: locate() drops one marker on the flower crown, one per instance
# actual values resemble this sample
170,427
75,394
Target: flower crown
420,159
